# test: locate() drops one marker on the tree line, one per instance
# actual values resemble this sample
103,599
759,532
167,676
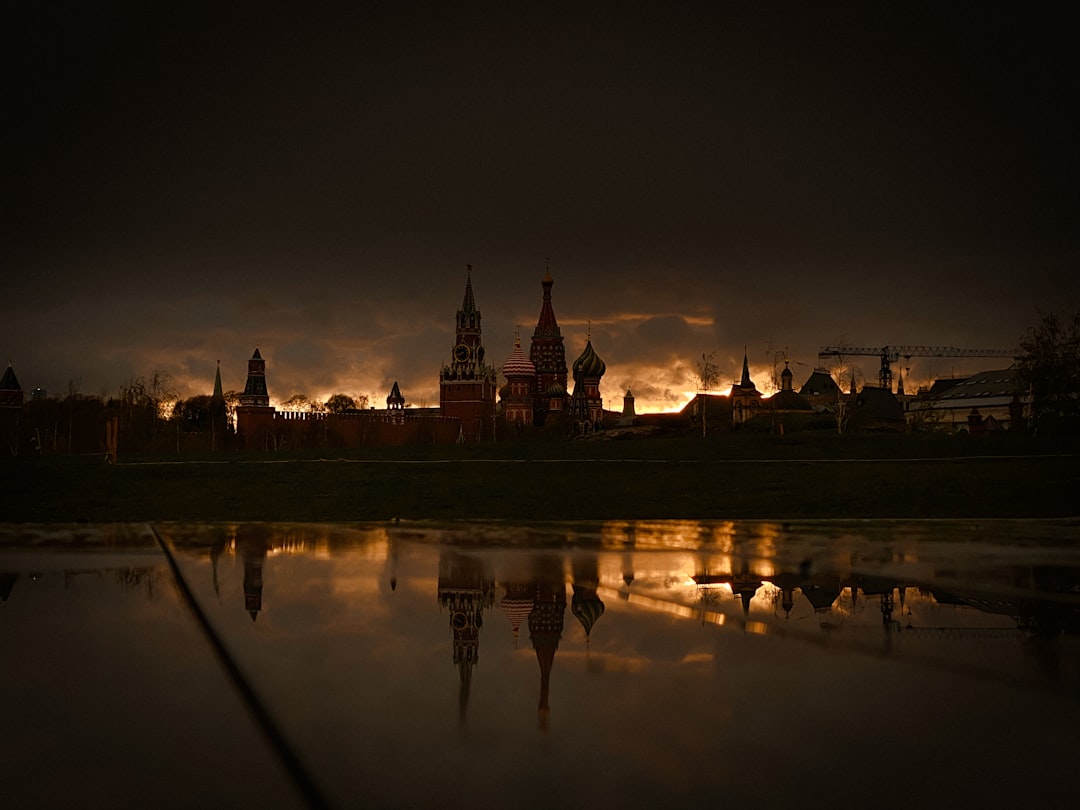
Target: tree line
146,416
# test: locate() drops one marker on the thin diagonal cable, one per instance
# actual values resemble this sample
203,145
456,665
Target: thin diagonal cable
303,781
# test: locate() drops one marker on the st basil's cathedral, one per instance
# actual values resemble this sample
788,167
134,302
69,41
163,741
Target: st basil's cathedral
535,391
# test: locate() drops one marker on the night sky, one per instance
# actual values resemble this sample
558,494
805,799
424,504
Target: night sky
184,185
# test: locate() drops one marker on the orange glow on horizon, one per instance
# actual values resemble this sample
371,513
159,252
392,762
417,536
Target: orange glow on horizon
657,387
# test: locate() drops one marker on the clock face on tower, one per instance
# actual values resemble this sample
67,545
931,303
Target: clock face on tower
461,353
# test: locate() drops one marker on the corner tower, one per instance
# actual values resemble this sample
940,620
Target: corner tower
254,416
255,394
467,385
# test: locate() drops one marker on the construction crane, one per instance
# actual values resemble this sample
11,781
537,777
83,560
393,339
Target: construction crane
891,354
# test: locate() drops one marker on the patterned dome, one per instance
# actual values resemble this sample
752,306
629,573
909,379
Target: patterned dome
518,365
589,364
516,606
587,607
555,390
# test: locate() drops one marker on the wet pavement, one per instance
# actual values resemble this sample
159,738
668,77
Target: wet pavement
630,664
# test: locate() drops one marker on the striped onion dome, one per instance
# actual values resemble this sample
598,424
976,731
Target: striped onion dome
518,365
589,364
516,606
587,607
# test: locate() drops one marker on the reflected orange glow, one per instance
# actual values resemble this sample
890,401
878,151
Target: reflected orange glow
698,658
663,606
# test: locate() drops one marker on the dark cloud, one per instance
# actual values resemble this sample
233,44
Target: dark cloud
189,183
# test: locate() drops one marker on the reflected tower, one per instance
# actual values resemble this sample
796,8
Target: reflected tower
586,604
546,624
517,604
465,590
252,545
7,584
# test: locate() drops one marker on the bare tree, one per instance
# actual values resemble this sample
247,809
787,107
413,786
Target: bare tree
839,368
1049,367
706,378
708,374
162,395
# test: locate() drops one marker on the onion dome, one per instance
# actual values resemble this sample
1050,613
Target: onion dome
516,606
555,390
589,364
587,607
518,365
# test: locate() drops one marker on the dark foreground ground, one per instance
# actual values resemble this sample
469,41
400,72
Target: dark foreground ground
727,477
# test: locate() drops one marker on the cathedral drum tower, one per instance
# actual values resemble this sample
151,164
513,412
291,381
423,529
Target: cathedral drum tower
548,355
467,386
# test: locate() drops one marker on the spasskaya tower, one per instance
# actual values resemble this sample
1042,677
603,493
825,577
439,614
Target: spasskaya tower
467,385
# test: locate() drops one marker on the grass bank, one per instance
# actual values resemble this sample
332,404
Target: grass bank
730,477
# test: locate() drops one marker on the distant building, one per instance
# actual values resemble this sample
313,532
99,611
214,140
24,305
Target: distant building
786,400
745,398
877,409
820,390
981,403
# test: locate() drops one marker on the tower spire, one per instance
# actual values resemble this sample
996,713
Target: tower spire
469,304
255,392
218,394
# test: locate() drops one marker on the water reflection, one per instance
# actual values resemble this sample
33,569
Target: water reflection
629,664
108,691
829,587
